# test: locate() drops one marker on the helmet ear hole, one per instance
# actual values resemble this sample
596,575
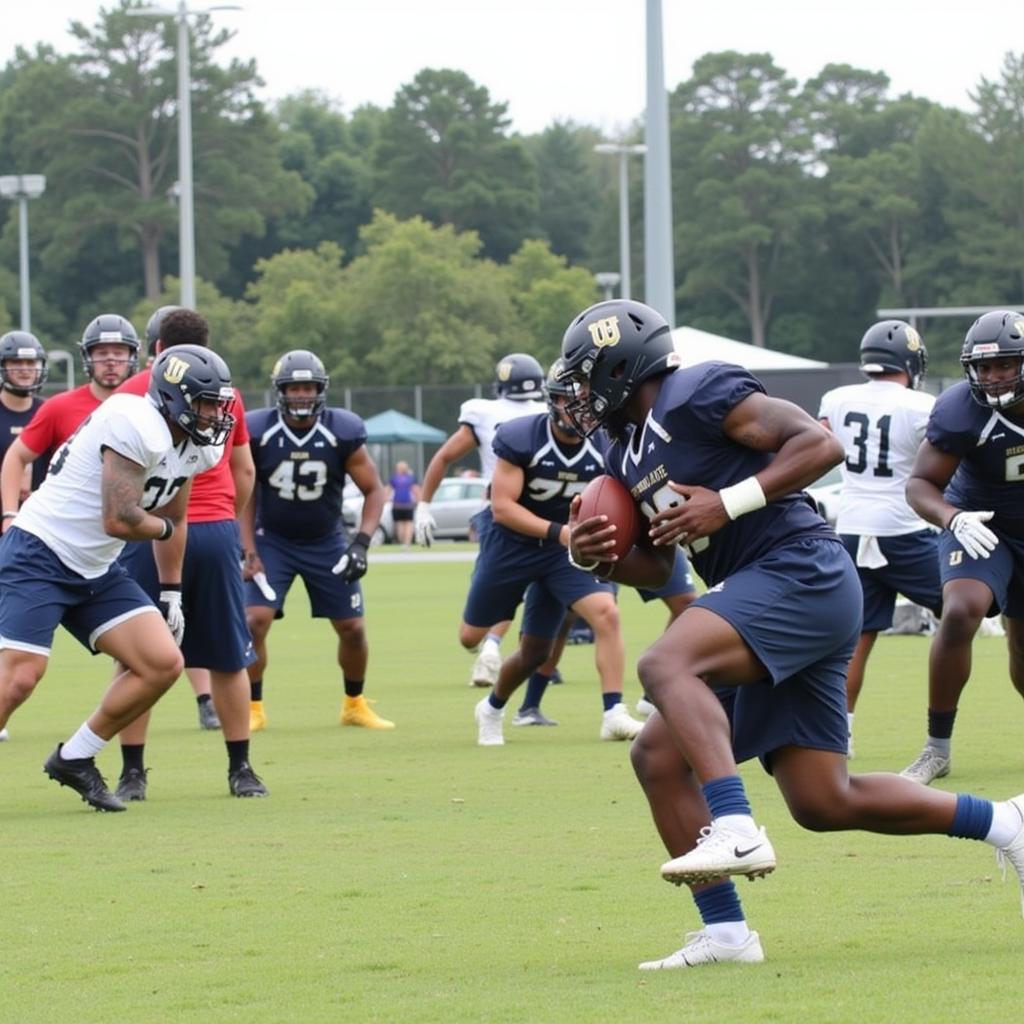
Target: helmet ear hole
618,371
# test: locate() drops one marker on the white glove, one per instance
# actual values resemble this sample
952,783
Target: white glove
974,536
170,608
423,524
261,581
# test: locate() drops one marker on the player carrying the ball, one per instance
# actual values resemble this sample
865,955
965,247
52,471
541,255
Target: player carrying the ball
756,666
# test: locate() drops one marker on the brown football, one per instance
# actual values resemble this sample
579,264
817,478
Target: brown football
605,496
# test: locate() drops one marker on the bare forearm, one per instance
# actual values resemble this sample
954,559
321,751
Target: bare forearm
928,502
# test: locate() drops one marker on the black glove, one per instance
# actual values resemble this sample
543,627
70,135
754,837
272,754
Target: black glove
352,565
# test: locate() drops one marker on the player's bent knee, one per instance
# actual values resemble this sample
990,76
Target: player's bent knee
470,636
655,672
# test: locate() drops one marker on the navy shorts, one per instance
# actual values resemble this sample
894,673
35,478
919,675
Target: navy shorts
330,597
212,597
507,566
1002,572
38,593
680,582
799,610
913,571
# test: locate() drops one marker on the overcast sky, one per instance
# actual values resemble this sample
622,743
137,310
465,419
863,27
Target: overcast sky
580,60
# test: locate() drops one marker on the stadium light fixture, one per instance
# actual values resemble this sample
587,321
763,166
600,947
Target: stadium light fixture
624,152
606,281
186,201
22,188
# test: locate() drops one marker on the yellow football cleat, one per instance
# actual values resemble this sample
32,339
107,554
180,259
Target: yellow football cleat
257,716
357,711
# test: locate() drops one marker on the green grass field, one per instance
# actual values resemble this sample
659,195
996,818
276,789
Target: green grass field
413,876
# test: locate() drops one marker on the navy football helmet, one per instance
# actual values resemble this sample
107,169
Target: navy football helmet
607,351
891,346
180,378
22,345
558,393
153,328
300,367
518,376
109,329
995,335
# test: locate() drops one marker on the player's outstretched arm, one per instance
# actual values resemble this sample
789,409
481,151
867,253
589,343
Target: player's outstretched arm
459,444
16,462
933,469
362,470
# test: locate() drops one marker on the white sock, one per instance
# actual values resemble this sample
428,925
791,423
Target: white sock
728,933
849,723
1006,823
85,743
942,746
492,642
742,823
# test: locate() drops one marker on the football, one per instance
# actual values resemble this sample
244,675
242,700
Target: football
605,496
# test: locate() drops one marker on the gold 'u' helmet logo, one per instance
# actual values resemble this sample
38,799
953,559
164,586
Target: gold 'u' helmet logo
175,370
605,332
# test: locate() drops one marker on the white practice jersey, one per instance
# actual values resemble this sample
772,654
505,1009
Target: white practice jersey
66,512
881,425
484,415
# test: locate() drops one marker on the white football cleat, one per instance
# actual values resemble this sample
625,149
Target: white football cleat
489,725
721,851
4,735
616,724
645,707
930,764
1014,851
486,667
701,949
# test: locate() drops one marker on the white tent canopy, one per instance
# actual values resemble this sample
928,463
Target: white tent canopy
700,347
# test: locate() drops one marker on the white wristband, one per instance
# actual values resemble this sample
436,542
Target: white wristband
744,497
576,565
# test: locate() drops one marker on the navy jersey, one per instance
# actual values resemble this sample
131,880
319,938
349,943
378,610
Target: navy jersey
990,476
11,425
554,472
300,478
682,441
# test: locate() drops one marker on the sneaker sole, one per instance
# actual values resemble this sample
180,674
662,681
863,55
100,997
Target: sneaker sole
697,877
85,800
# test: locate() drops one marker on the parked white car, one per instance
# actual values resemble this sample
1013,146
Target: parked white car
456,500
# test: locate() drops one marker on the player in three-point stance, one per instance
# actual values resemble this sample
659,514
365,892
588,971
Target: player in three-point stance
716,464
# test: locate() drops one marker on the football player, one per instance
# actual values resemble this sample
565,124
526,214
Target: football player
967,480
541,463
124,475
304,451
22,376
756,666
881,425
110,352
217,638
518,391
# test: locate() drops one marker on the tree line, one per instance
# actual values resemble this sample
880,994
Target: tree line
418,243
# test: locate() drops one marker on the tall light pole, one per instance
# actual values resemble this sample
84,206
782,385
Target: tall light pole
186,203
624,151
606,281
659,264
23,187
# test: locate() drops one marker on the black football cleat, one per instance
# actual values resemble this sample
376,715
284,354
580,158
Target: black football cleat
245,782
82,775
132,785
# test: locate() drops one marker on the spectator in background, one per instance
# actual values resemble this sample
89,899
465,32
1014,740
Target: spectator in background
403,492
